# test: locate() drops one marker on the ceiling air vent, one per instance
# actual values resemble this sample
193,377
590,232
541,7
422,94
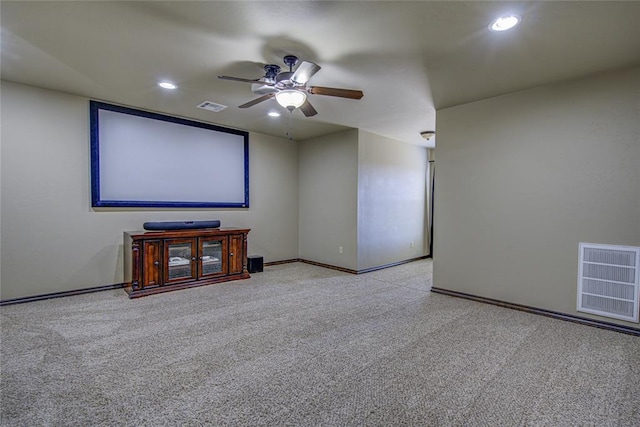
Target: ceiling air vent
609,281
212,106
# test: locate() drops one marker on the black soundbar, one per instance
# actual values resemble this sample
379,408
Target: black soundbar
180,225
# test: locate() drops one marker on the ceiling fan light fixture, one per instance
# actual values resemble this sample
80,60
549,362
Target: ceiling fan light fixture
291,98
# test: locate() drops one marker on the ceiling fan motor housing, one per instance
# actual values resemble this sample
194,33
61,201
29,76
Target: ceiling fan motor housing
284,78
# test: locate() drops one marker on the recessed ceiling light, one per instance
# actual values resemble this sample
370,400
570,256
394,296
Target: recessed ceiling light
504,23
273,114
167,85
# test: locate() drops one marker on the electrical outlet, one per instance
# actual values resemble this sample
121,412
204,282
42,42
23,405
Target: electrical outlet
411,244
340,249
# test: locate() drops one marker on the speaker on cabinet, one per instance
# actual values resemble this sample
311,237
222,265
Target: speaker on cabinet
181,225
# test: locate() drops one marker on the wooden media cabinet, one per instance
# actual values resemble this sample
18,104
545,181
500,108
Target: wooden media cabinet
162,261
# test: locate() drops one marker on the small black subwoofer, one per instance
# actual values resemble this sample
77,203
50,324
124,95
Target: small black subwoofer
255,264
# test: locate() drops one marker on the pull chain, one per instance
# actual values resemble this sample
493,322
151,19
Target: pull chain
290,126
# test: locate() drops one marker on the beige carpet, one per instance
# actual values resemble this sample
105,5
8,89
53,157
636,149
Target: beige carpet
301,345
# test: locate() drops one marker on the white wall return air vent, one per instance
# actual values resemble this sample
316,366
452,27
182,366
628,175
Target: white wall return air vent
609,281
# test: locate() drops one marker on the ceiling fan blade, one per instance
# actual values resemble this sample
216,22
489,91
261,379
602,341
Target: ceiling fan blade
307,109
257,100
304,72
240,79
332,91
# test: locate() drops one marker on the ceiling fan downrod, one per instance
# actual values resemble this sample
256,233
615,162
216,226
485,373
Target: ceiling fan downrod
291,61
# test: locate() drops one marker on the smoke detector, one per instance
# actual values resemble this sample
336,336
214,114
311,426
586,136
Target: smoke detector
428,134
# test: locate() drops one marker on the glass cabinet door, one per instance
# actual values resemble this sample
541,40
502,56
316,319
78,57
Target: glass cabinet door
212,262
180,259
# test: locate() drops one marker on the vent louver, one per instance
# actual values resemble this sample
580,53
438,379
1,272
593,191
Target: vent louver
609,281
212,106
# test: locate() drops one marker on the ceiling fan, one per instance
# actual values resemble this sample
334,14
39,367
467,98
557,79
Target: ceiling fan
290,87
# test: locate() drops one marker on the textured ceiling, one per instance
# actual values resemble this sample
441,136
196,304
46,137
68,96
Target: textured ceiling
409,58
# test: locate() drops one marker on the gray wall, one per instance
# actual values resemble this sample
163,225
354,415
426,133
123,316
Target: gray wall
52,240
523,178
365,193
328,199
391,201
